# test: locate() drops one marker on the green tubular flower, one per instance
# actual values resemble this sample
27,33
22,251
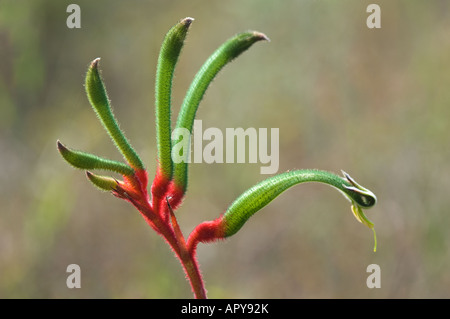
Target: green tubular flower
168,57
223,55
263,193
98,98
84,160
103,182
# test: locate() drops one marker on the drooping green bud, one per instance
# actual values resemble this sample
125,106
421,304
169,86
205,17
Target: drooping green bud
263,193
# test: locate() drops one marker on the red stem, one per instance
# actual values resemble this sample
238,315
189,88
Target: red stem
176,240
174,237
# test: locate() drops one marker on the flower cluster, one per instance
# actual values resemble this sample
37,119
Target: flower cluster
169,186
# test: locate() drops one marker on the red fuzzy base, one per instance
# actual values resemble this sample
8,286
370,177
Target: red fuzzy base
206,232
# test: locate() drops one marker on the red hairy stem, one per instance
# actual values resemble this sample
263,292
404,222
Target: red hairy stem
190,266
205,232
156,213
188,259
134,186
175,195
164,193
142,178
176,241
159,215
159,189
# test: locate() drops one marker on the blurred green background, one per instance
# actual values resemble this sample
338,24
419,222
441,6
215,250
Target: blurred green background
372,102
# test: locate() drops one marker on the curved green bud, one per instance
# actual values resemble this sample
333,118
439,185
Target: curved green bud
103,182
228,51
98,98
84,160
168,57
263,193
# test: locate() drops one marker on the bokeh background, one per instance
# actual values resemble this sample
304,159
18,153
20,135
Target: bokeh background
372,102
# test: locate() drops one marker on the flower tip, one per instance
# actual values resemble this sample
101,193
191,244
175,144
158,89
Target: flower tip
261,36
347,177
187,21
95,62
61,147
